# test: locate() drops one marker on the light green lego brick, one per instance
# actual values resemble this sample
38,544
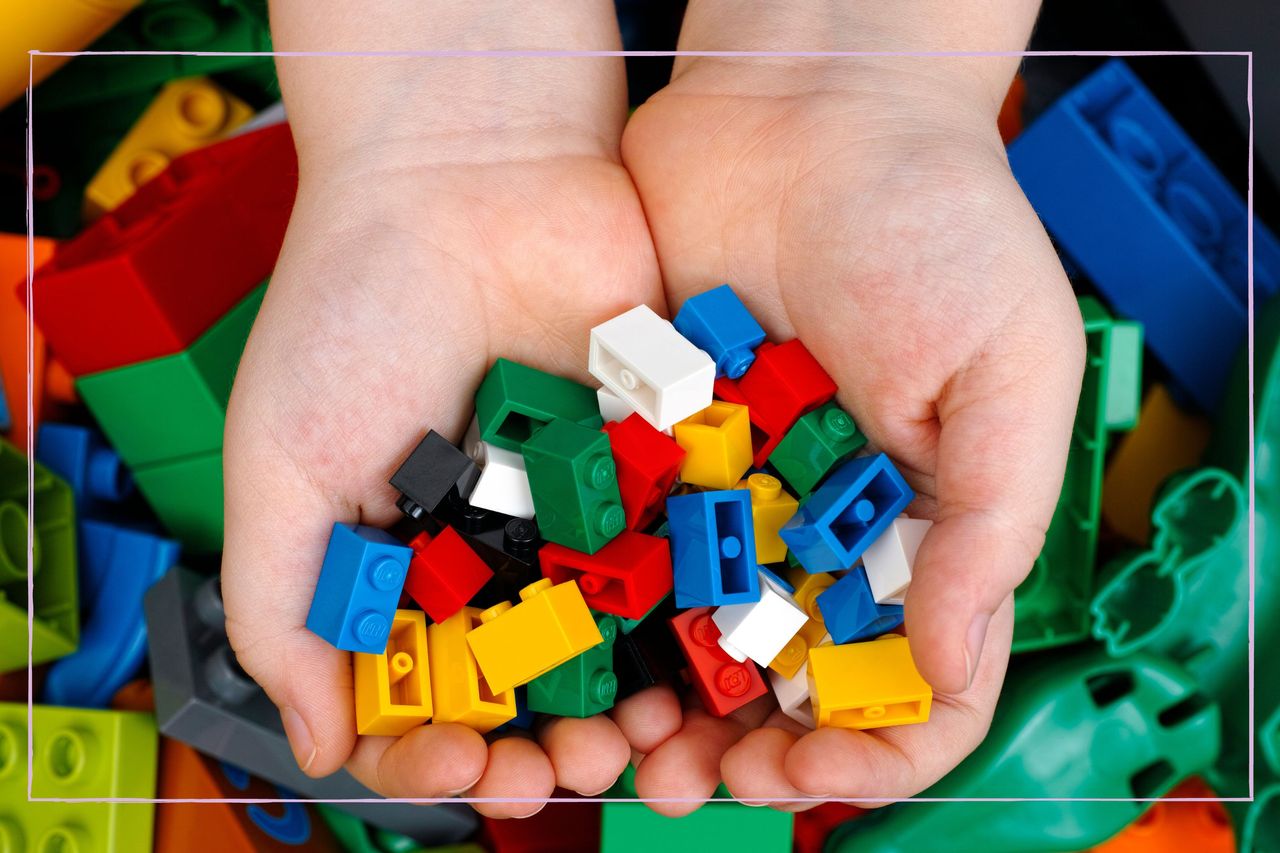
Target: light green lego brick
634,827
187,497
1124,377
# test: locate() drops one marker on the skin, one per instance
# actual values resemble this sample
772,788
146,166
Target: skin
470,209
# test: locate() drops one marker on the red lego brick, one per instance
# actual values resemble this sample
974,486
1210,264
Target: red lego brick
810,829
723,684
627,577
648,463
150,277
444,573
762,442
558,828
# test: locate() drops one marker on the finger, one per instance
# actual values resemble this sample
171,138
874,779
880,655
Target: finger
429,762
649,718
588,755
519,775
753,770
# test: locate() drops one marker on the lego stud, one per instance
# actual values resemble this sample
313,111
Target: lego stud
207,604
792,653
608,627
145,165
386,574
733,679
226,679
372,629
205,111
61,839
519,536
704,632
498,609
837,424
401,665
602,687
109,480
764,488
541,585
735,362
69,754
600,472
610,519
13,542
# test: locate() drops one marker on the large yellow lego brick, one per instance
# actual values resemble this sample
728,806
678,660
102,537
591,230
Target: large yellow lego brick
771,507
459,690
807,589
514,645
867,685
393,689
717,445
186,115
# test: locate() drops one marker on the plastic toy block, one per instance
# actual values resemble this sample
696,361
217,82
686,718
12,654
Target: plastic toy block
628,577
717,445
771,507
648,463
795,654
558,828
80,457
509,546
643,359
56,626
761,629
503,483
187,497
175,406
575,486
13,336
393,689
515,401
713,549
855,505
867,685
783,383
792,691
516,644
459,690
722,683
850,613
583,685
811,827
889,559
717,323
117,565
356,836
817,443
1181,266
360,582
444,573
204,699
147,279
634,827
1167,826
186,115
428,474
613,409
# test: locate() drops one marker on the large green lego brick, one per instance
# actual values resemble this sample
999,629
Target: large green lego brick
817,443
174,406
187,497
635,828
583,685
78,754
574,483
56,627
514,401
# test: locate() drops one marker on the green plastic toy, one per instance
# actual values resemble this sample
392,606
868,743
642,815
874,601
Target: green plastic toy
514,401
583,685
575,485
356,836
817,443
634,827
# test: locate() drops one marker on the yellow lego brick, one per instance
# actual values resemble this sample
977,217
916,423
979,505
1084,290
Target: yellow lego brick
514,645
186,115
393,689
717,444
808,587
458,689
867,685
771,507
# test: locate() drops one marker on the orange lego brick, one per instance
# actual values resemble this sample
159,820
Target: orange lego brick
459,691
1203,827
13,334
393,689
867,685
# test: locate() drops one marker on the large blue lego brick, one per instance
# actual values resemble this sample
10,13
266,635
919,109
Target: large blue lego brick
1130,198
360,581
713,548
90,466
850,612
717,323
854,506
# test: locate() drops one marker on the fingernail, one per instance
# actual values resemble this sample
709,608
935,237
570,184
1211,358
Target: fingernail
973,644
460,791
304,748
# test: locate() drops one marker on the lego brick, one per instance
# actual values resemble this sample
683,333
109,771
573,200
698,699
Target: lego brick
356,836
360,582
433,468
393,688
613,409
558,828
643,359
13,335
575,486
634,827
1172,249
514,401
783,383
771,507
79,456
516,644
444,573
717,323
889,559
503,483
459,691
1204,826
646,652
626,625
792,693
713,551
722,683
186,495
583,685
850,613
509,546
628,577
717,445
6,420
117,565
795,653
204,699
147,279
867,685
648,463
818,442
855,505
167,408
185,115
761,629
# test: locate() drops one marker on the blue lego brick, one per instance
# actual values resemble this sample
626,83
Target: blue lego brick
1130,198
360,581
717,323
90,466
850,612
855,505
523,719
777,580
117,566
713,548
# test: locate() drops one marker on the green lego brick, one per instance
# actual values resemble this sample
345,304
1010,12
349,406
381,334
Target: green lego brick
356,836
1051,607
583,685
634,827
174,406
187,497
817,443
575,485
78,754
56,627
514,401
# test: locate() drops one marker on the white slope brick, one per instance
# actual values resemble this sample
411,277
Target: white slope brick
643,359
503,485
793,695
759,630
889,559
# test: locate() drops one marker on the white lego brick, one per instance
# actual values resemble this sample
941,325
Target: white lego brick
613,407
889,559
503,485
793,695
643,359
759,630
